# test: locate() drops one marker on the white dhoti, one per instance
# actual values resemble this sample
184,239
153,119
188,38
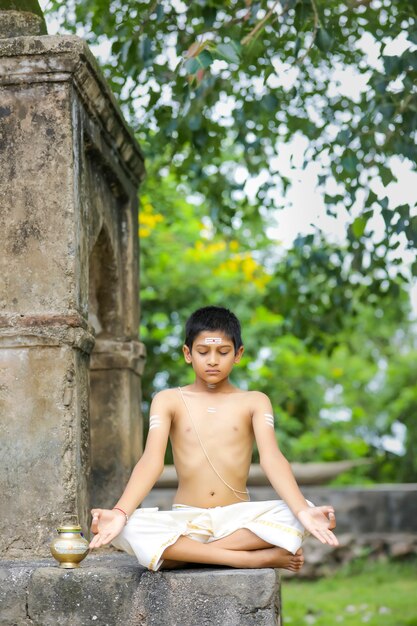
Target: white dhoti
150,531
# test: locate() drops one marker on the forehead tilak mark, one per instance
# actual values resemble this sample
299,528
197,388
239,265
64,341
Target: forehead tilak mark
213,340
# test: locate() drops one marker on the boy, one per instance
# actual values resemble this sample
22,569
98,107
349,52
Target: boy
212,426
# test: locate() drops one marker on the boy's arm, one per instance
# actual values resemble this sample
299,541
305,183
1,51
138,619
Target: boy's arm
317,520
151,464
107,524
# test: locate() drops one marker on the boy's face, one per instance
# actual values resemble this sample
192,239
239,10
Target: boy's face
212,356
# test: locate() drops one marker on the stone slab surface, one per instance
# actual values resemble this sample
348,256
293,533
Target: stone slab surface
113,590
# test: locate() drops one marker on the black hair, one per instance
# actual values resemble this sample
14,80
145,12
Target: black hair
213,318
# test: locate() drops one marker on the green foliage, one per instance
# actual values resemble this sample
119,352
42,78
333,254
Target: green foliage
321,323
274,67
320,340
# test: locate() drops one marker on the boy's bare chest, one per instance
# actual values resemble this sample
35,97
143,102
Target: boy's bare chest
215,422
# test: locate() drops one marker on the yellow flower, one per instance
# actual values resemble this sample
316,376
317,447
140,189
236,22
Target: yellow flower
205,251
148,219
244,264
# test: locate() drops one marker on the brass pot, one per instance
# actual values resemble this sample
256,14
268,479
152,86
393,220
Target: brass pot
70,547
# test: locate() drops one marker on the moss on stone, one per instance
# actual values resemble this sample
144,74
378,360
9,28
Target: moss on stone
30,6
25,6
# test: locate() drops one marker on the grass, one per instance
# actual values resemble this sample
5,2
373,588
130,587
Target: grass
372,593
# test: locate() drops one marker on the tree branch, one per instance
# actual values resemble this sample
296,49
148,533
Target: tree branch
147,18
314,35
259,25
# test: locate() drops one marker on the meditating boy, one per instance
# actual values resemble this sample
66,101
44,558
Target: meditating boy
212,426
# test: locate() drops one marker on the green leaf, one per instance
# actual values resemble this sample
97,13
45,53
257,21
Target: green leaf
270,102
386,175
349,163
411,231
412,36
194,122
323,40
387,110
344,137
387,215
384,202
392,64
381,85
125,50
159,13
411,58
200,62
205,59
145,49
229,51
358,226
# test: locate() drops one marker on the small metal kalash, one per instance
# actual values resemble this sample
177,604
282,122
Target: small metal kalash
70,547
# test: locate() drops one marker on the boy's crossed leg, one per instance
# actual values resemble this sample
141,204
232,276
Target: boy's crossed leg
242,549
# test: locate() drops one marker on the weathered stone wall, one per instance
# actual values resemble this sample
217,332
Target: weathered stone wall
69,170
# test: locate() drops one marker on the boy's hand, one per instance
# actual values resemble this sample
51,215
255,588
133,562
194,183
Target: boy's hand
106,525
319,520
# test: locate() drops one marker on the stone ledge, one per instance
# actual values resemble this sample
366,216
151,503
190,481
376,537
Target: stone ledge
113,590
112,354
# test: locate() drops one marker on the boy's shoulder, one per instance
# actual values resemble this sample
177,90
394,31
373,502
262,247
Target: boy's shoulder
166,395
253,398
259,397
253,394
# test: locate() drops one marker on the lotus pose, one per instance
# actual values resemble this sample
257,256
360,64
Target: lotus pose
212,426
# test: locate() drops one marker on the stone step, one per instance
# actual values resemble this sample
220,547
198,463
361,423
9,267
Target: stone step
113,590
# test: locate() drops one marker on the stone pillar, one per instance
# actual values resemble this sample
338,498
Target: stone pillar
69,169
116,432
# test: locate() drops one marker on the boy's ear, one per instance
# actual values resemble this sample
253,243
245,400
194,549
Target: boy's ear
239,354
187,354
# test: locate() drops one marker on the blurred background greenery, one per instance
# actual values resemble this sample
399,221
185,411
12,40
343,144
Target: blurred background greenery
334,349
216,92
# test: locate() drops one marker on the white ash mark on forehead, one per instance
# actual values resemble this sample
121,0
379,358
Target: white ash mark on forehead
215,340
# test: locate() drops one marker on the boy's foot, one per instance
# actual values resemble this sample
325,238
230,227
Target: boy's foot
279,558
